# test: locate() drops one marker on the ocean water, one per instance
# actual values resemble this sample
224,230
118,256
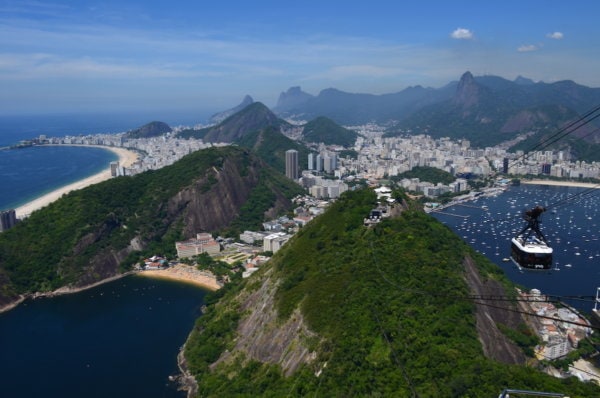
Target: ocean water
572,229
120,339
28,173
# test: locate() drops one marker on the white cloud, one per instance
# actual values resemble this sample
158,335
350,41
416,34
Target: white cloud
555,35
525,48
462,34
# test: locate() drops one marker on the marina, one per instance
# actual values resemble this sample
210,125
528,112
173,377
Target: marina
572,230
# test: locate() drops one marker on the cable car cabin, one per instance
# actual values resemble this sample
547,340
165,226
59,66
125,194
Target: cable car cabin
529,248
531,252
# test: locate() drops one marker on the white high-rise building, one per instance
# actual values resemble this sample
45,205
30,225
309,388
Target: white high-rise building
291,164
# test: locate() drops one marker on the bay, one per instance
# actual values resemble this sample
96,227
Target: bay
120,339
572,228
28,173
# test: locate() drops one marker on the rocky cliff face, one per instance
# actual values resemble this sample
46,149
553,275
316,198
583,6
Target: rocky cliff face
263,338
209,204
489,314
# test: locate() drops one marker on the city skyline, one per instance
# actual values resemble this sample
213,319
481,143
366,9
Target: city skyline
62,56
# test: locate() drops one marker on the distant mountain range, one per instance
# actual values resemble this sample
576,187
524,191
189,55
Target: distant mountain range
486,110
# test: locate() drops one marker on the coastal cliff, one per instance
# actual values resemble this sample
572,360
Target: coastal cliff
99,232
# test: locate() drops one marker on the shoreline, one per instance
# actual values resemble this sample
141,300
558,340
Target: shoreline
557,183
61,291
126,158
179,273
184,273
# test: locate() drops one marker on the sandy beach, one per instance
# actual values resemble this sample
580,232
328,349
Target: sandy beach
126,158
184,273
561,183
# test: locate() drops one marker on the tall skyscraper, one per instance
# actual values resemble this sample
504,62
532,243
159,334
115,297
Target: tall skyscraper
291,164
311,161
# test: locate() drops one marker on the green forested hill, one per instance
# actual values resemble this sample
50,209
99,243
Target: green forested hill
96,232
427,173
270,145
325,130
358,311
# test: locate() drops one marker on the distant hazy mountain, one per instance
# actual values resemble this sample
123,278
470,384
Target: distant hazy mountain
490,109
323,129
485,109
152,129
254,117
293,98
219,117
348,108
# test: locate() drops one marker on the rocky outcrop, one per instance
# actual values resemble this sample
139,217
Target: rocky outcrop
490,313
263,337
213,201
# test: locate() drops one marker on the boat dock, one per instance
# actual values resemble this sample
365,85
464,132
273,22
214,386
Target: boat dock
450,214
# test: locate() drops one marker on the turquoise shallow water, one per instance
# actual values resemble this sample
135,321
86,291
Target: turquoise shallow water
119,339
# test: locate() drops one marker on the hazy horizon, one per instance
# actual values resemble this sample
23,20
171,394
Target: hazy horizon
133,56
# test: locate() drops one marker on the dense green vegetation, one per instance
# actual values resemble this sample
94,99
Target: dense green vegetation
152,129
54,246
325,130
351,153
426,173
380,302
271,145
262,197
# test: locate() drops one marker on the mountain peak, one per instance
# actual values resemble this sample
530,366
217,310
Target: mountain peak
292,98
467,91
523,81
255,116
219,117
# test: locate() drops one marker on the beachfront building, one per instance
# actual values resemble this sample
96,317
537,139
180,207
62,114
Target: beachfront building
8,219
203,243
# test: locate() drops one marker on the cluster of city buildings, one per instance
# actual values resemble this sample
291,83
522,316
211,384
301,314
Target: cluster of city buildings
380,157
560,329
154,153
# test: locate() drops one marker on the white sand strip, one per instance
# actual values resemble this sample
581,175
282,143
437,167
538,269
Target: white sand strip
126,158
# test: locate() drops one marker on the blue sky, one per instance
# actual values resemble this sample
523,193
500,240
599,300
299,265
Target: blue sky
81,56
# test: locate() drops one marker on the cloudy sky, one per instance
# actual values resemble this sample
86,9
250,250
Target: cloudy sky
81,56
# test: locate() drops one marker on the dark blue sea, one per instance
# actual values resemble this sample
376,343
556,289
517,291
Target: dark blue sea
571,225
120,339
26,174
